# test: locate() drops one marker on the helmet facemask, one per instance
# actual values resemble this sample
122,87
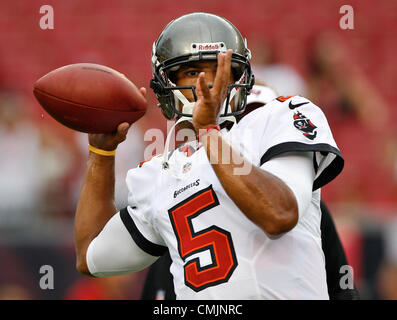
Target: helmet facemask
193,38
174,104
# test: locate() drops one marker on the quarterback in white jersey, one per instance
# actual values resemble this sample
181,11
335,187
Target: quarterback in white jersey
245,226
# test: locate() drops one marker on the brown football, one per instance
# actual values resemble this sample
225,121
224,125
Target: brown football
90,97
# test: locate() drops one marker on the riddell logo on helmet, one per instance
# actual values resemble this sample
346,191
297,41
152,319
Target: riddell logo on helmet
206,47
214,46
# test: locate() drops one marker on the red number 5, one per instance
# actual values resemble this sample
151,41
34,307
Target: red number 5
218,241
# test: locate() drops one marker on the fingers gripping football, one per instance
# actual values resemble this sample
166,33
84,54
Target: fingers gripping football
209,101
110,141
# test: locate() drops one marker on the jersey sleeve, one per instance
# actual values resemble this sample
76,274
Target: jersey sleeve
130,240
113,252
296,171
140,217
295,124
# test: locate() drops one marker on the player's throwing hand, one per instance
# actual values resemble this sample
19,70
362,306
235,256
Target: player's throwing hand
110,141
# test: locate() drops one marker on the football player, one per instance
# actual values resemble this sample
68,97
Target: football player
159,285
238,207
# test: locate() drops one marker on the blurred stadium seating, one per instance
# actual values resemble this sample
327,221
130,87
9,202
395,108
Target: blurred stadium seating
120,34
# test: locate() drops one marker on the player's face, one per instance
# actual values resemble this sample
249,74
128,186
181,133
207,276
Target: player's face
187,76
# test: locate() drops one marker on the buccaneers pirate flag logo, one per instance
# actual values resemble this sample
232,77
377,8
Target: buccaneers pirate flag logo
305,125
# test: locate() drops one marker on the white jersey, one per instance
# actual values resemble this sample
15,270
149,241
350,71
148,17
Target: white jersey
216,251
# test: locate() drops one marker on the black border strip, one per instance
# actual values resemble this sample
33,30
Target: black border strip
328,174
143,243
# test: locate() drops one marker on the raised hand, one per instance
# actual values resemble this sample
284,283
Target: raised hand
209,101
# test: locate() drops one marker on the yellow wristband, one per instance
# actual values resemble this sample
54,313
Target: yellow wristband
102,152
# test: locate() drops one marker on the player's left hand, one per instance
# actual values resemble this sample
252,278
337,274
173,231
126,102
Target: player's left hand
209,101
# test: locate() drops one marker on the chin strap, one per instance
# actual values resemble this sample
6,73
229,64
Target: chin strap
188,109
